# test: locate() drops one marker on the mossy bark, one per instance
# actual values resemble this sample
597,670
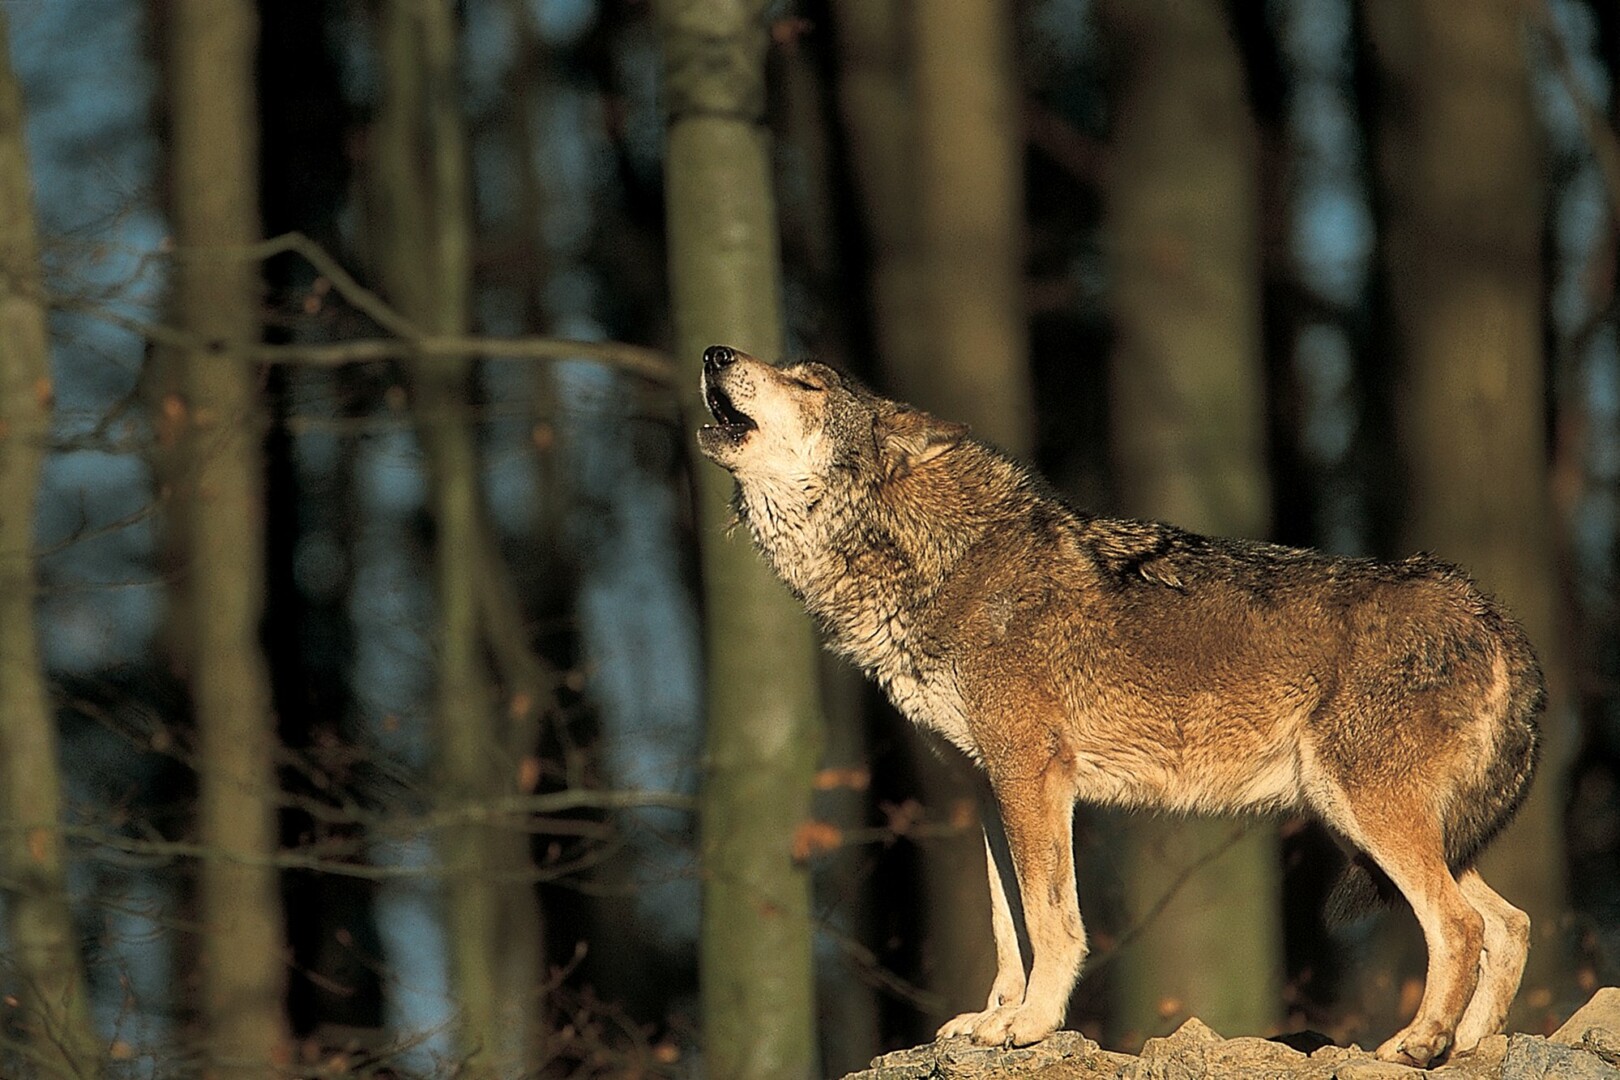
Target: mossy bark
968,145
763,733
52,1011
424,203
1461,175
1188,401
214,208
928,95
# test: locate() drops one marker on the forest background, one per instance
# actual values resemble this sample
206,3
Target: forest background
372,647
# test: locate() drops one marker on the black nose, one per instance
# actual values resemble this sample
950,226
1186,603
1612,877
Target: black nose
716,357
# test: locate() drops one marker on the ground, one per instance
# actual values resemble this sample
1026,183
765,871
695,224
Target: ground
1587,1047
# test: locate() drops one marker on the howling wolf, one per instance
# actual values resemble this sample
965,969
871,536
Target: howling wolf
1129,663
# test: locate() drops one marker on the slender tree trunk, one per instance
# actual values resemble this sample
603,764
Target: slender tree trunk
425,202
215,206
929,99
763,730
968,146
1188,397
53,1013
1460,164
875,102
848,1003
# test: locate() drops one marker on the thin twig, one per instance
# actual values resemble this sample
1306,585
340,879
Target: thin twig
362,298
649,364
1100,960
109,842
869,967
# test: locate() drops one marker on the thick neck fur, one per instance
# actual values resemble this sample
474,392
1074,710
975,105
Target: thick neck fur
886,540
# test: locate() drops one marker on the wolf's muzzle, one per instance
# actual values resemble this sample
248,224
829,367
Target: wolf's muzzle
716,357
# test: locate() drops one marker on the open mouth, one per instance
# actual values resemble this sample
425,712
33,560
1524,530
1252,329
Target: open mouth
728,418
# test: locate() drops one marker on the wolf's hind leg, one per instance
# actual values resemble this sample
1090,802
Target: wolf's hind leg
1406,843
1501,962
1008,988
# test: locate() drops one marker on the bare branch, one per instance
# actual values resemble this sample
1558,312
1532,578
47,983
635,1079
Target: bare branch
109,843
649,364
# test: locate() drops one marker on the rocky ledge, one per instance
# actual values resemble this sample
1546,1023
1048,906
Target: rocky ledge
1587,1047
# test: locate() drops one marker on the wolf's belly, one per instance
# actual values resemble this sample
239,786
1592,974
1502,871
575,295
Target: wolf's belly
1215,769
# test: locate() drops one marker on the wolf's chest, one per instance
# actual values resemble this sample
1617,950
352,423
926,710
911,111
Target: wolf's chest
922,686
932,702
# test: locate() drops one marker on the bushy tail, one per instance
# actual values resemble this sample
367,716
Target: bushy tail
1476,816
1361,889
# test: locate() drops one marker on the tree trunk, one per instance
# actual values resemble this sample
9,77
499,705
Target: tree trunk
875,103
968,147
848,1002
929,99
214,206
763,731
493,929
53,1013
1460,167
1188,399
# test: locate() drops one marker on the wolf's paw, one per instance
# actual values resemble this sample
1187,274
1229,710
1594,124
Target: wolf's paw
961,1025
1008,991
1420,1045
1010,1025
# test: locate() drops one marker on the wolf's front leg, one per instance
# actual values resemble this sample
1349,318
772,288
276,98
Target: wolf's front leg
1009,985
1039,816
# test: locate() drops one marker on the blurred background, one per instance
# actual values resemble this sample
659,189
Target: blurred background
357,721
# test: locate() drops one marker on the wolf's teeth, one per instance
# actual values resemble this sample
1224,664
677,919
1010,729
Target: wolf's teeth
727,414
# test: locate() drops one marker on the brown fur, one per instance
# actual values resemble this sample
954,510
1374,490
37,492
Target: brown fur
1130,663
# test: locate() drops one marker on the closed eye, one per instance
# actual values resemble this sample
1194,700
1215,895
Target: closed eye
803,385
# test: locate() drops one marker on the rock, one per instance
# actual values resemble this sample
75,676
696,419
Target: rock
1258,1058
1306,1042
1333,1055
1177,1056
963,1059
1602,1010
1368,1068
1595,1027
1587,1047
1604,1042
1195,1052
1193,1032
1097,1064
1483,1061
1530,1057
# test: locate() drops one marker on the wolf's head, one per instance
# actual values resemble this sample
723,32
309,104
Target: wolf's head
792,428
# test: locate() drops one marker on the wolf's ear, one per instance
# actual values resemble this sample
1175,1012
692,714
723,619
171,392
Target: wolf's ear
907,438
